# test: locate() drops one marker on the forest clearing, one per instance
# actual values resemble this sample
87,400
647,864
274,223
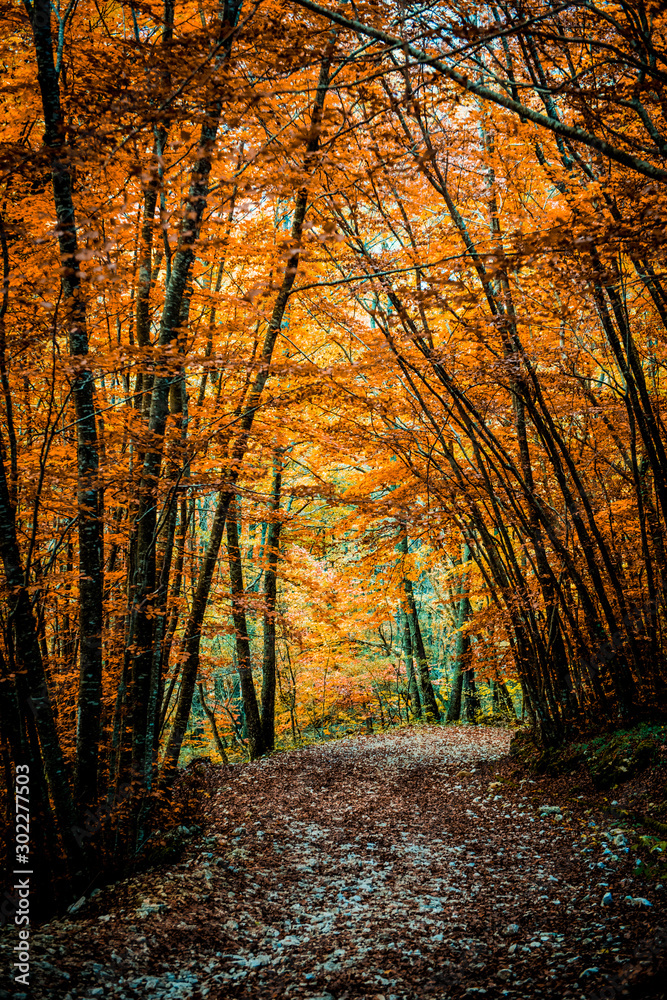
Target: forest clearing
332,420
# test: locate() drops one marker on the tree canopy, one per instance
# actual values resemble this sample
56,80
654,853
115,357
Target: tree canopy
332,348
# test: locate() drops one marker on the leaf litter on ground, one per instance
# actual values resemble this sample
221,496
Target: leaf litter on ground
409,864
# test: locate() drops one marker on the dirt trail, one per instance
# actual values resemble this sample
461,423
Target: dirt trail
378,867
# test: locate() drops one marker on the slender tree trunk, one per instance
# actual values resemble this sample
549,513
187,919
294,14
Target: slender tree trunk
175,304
413,687
192,637
505,702
89,492
9,427
470,696
23,629
429,704
270,582
253,723
160,663
461,645
461,650
176,586
210,715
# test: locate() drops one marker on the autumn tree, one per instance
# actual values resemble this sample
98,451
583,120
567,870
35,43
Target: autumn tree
331,352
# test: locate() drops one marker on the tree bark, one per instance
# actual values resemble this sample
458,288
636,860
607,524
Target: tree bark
413,687
23,628
210,715
89,498
172,313
461,645
470,696
429,704
270,587
192,637
243,654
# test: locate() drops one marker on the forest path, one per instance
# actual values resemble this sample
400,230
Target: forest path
377,867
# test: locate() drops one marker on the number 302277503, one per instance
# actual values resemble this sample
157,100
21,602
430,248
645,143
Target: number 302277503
22,796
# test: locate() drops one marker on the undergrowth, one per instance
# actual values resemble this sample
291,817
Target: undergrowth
610,757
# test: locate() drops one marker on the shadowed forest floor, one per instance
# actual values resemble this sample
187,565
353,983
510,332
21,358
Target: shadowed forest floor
419,863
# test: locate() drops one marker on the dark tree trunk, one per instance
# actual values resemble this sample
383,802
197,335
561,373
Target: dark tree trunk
9,427
461,651
89,498
270,582
429,704
413,687
253,725
461,646
210,715
160,657
22,627
470,696
192,637
502,699
175,303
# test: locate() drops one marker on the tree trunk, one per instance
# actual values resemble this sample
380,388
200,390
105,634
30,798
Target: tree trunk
253,723
429,703
192,637
23,629
89,492
503,699
210,715
461,649
413,687
470,696
175,302
461,645
270,583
